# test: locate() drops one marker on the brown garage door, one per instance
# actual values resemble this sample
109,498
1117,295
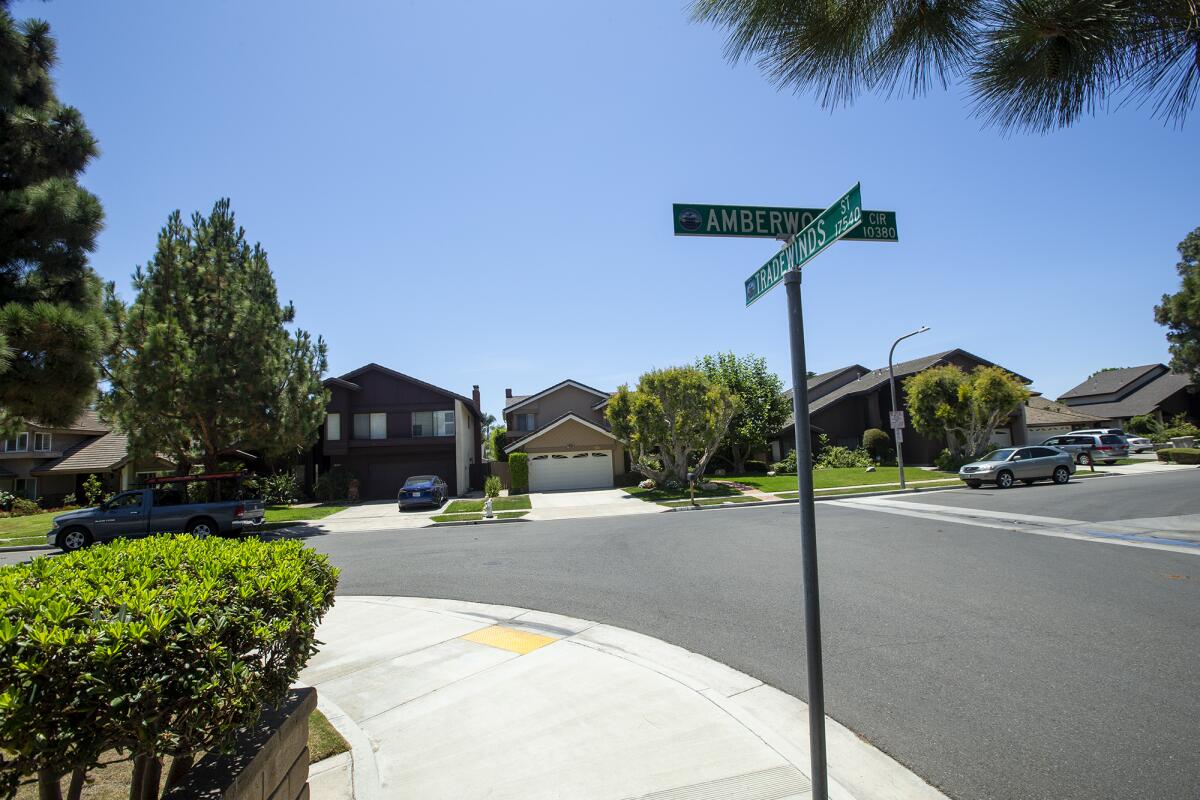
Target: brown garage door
383,479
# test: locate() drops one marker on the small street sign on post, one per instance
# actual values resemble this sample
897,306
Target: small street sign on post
830,225
768,222
897,419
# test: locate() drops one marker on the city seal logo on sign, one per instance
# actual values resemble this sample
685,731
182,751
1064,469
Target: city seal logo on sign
689,219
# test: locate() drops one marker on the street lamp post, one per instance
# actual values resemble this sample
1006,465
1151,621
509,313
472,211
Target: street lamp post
892,381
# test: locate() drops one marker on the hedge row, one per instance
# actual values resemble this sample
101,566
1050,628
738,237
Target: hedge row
160,646
518,472
1180,455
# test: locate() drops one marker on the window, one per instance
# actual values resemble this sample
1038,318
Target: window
17,445
333,427
1042,452
25,487
370,426
41,442
432,423
523,422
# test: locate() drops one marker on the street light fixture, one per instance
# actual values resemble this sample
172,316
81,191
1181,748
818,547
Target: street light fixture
892,380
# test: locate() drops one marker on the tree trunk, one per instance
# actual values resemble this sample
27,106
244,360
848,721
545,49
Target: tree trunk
181,765
739,459
78,779
151,778
139,771
48,785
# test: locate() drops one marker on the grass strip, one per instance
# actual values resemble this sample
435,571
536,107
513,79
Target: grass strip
473,517
323,739
711,501
498,504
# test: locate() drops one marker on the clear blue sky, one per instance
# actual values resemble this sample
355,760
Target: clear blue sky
476,192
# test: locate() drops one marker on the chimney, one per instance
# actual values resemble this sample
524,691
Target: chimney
508,394
475,397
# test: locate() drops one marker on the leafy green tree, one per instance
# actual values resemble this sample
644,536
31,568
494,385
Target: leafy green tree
1029,64
762,407
1180,312
52,326
966,407
674,417
495,443
205,362
1144,425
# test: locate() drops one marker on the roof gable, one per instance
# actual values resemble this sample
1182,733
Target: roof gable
348,381
1113,381
565,418
516,402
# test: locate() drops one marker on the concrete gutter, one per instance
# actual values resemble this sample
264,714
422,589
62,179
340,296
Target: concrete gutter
16,548
453,523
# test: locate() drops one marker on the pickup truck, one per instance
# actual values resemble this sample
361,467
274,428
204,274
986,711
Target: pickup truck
145,512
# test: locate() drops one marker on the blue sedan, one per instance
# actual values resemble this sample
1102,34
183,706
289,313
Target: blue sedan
423,490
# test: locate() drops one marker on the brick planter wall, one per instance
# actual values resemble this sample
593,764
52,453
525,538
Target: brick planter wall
270,761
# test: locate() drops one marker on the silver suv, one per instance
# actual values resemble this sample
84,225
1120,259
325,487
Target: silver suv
1008,465
1086,447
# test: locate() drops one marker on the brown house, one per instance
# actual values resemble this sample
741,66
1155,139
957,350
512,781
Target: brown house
844,403
1117,395
566,435
43,461
385,426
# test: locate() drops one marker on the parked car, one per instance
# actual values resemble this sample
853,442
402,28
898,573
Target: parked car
145,512
1139,444
1084,447
423,490
1101,431
1026,464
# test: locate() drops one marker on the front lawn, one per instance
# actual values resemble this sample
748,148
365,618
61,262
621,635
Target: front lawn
296,514
659,495
25,527
838,477
498,504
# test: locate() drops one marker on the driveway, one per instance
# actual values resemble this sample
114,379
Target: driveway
372,516
587,503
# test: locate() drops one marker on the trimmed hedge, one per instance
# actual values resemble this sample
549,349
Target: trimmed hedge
1180,455
518,472
160,646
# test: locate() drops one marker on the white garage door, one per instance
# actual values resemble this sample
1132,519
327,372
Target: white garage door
575,470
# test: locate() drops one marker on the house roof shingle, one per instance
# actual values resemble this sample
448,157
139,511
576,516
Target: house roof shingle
1142,401
102,454
1110,381
513,402
1042,412
87,422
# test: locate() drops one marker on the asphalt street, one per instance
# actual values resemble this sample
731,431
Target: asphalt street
995,664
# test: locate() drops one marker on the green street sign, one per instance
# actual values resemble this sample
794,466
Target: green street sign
830,225
767,222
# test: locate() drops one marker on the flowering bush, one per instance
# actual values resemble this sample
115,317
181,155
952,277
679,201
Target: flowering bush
647,484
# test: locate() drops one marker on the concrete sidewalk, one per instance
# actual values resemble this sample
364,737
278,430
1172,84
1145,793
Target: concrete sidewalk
448,699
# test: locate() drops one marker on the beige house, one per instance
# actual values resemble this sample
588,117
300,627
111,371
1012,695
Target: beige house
49,462
566,436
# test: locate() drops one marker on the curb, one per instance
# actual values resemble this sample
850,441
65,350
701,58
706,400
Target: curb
455,523
17,548
817,498
364,772
857,769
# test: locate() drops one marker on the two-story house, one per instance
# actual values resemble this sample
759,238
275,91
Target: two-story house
1118,395
43,461
564,431
385,426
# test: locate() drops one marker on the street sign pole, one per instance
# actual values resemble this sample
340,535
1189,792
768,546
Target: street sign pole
808,540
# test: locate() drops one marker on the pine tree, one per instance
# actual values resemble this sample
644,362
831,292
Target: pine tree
52,327
204,362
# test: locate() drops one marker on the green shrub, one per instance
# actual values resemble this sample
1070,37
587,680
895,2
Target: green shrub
93,490
333,485
69,500
496,441
6,500
756,467
22,507
877,443
1180,455
492,486
518,468
160,646
1144,425
835,456
280,489
787,465
948,462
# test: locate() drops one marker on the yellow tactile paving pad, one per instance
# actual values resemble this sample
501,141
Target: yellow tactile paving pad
510,639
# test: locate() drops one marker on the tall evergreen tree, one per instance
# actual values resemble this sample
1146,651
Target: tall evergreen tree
1180,312
52,328
204,362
